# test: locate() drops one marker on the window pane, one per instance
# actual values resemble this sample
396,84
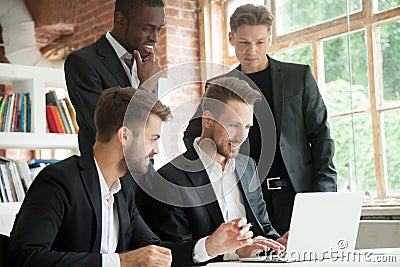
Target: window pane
342,97
387,4
302,55
392,128
390,46
293,15
359,156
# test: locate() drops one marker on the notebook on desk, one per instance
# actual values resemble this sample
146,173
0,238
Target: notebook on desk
323,225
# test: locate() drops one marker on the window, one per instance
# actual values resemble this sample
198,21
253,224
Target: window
297,14
353,47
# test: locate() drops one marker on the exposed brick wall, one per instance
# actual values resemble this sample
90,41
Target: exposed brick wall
92,18
182,46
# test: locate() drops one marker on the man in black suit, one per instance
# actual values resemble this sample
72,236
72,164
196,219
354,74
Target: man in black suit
80,212
304,148
114,60
214,183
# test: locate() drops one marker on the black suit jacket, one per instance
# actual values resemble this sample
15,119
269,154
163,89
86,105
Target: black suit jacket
301,123
59,223
88,72
175,223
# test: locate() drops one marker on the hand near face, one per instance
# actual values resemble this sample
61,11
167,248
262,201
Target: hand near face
229,237
147,256
146,69
259,243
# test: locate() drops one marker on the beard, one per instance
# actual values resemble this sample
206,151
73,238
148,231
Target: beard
138,163
227,153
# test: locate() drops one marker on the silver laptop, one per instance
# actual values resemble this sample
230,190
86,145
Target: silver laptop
323,225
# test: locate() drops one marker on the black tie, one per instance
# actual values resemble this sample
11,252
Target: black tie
129,63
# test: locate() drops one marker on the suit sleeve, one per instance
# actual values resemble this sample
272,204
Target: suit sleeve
142,236
84,86
36,227
193,130
318,133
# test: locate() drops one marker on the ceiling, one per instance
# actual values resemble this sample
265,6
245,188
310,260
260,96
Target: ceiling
53,25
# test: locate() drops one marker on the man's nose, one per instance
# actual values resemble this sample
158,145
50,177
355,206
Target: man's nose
252,48
154,36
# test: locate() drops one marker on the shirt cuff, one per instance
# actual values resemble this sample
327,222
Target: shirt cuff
111,260
199,252
231,256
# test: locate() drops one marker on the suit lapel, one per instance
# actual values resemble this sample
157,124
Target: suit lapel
201,182
277,92
245,184
90,180
111,61
124,221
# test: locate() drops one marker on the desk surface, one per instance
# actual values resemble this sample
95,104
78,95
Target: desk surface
366,257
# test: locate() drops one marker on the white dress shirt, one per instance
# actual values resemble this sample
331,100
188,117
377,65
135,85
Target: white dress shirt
122,53
109,222
230,200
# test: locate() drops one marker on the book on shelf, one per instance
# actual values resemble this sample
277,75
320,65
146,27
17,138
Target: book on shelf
52,100
9,112
53,120
14,112
68,115
3,107
72,113
16,177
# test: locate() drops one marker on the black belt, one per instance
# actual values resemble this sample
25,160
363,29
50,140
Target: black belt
277,183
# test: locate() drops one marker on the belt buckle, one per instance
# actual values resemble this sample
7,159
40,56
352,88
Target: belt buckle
270,187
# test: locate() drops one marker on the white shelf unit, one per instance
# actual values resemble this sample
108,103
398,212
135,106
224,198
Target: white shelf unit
34,80
7,216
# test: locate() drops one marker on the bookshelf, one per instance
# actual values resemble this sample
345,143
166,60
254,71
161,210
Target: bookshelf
34,80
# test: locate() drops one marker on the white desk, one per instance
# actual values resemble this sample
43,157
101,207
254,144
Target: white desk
368,257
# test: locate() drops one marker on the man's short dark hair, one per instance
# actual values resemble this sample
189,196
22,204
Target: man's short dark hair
222,90
127,6
251,15
113,104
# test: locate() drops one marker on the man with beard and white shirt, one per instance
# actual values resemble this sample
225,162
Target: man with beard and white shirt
81,211
213,181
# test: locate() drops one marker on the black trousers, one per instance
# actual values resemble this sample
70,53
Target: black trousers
279,206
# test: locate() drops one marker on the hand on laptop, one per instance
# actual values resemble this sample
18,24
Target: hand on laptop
229,237
284,239
259,243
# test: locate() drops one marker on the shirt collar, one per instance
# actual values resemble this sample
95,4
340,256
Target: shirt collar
105,191
118,48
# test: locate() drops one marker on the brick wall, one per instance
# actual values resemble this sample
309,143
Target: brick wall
92,18
179,43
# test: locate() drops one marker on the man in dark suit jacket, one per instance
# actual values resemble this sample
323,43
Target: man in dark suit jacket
79,212
114,60
214,183
304,148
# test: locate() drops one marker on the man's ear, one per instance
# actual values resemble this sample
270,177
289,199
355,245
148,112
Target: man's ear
123,135
120,20
230,37
207,119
